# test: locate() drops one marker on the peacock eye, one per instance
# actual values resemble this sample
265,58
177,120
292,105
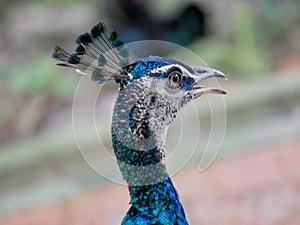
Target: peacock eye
175,79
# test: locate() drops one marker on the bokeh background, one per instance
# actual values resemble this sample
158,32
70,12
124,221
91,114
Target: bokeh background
256,177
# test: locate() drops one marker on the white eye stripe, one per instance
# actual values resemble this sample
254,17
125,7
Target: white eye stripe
167,67
161,69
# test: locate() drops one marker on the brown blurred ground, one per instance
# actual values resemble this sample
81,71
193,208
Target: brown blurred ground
258,187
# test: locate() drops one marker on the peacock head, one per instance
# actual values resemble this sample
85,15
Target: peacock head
152,89
171,80
155,89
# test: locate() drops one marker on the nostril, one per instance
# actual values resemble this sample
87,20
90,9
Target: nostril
201,71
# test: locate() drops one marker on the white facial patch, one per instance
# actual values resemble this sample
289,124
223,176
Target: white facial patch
163,69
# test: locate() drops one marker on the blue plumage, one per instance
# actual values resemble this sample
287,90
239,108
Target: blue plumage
152,91
143,66
155,204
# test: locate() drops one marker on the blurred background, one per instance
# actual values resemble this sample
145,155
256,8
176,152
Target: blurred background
256,177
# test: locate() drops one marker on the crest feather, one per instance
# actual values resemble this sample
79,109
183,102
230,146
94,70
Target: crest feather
110,54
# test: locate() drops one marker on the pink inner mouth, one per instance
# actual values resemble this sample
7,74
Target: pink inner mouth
208,89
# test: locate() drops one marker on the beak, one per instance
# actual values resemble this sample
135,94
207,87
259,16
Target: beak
202,73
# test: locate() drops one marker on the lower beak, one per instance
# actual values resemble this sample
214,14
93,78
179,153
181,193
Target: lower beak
202,73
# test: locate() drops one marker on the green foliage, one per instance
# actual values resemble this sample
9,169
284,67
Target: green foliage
41,77
241,53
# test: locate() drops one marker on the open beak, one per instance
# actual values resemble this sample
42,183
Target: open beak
202,73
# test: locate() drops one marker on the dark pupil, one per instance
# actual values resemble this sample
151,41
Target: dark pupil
175,78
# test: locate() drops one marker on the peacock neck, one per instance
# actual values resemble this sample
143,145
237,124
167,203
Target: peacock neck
138,142
139,127
139,168
153,197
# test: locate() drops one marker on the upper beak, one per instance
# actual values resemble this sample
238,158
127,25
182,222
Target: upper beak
202,73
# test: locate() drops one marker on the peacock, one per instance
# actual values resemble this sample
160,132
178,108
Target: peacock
151,92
